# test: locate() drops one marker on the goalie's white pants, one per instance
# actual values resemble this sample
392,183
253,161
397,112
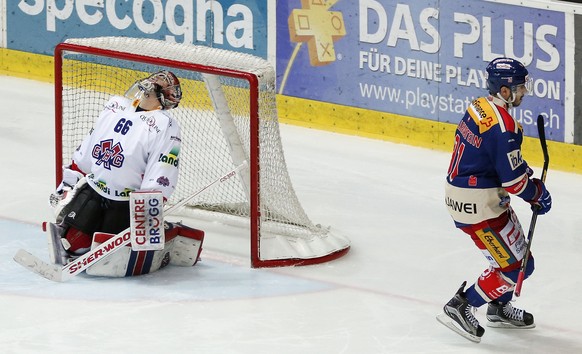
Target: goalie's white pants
182,248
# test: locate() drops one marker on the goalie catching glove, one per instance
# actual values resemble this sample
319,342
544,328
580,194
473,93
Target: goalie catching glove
59,197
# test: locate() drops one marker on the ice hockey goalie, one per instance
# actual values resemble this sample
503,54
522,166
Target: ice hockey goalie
123,155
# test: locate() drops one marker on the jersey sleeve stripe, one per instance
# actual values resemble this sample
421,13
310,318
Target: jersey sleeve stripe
497,114
517,185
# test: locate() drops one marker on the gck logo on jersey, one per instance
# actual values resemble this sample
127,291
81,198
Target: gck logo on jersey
108,154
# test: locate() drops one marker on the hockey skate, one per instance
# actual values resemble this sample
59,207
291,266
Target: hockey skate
506,316
458,316
57,252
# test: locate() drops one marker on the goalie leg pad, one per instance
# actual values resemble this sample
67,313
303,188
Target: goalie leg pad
77,242
125,262
182,248
57,252
187,246
65,243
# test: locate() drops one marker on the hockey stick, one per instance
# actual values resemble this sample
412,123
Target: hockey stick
63,273
534,217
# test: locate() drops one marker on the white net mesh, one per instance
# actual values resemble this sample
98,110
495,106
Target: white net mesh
215,115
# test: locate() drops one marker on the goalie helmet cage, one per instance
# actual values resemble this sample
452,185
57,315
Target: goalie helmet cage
227,115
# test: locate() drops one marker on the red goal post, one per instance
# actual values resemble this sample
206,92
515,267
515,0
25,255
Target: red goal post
227,115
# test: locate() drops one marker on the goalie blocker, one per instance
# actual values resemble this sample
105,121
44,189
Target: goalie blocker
146,216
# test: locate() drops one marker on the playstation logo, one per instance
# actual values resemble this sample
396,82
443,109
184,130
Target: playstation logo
319,27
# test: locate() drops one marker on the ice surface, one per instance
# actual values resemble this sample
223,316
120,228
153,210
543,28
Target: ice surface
406,261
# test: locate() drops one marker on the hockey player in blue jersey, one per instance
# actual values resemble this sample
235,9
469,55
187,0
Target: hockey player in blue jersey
485,169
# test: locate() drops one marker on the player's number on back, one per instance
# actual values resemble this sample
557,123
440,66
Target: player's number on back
456,158
123,126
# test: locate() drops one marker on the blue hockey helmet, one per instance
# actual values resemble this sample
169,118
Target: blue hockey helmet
507,72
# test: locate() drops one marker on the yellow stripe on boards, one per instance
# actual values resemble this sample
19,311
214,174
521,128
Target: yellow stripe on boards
342,119
26,65
408,130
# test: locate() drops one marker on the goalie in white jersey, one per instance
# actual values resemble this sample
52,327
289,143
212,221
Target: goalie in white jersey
134,146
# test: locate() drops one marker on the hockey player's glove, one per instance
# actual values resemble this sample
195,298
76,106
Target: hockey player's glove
70,179
542,200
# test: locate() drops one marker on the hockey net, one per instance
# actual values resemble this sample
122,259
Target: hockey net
227,115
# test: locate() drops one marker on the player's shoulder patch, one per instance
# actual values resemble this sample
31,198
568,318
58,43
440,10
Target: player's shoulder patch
487,114
484,113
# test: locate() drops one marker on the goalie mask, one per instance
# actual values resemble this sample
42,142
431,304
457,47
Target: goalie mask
163,84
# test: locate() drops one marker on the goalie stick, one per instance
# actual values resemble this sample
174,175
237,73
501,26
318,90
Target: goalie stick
534,217
63,273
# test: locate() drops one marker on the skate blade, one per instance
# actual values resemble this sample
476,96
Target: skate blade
508,325
450,324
